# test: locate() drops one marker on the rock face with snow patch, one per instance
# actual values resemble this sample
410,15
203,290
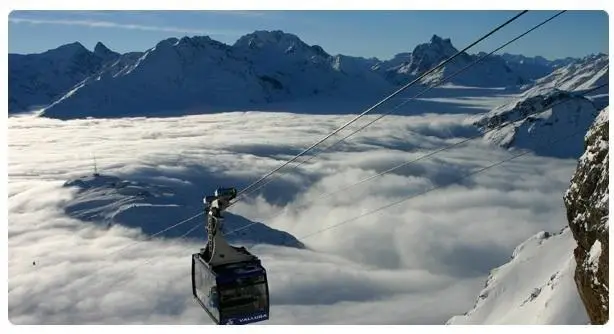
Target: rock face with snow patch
587,212
548,121
535,287
110,200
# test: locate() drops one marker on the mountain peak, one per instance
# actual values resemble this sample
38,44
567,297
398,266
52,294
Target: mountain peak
70,48
197,40
102,50
273,35
261,38
438,40
67,51
426,55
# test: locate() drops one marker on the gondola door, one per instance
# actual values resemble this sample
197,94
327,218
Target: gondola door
204,288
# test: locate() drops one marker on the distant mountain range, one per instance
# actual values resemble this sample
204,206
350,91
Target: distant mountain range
201,75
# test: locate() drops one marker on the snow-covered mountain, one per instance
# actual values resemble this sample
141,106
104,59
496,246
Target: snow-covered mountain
200,75
534,67
490,72
295,69
35,80
175,75
559,278
535,287
540,117
537,60
109,200
580,75
587,201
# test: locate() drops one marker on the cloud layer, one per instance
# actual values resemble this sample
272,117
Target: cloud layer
110,24
416,263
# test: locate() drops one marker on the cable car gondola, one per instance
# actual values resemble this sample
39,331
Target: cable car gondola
228,282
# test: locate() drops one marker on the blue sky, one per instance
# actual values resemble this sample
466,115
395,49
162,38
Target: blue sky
379,34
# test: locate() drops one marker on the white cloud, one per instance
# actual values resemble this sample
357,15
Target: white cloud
419,262
116,25
244,13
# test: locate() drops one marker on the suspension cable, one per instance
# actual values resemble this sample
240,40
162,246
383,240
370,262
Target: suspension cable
404,199
439,82
478,171
241,193
427,155
381,116
411,196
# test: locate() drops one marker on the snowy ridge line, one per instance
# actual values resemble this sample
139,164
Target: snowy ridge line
241,194
478,171
558,85
441,81
427,155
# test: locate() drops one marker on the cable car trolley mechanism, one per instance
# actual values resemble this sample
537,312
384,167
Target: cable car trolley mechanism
228,282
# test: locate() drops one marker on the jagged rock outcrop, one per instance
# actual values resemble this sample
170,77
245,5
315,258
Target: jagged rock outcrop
489,72
587,212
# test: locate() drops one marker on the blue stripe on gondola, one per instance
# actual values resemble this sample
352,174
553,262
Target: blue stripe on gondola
255,317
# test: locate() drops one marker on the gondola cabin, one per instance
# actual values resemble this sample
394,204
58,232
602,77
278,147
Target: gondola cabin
235,293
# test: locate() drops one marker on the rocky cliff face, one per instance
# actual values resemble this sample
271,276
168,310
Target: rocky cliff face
587,212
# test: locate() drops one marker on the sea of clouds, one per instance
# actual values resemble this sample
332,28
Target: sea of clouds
419,262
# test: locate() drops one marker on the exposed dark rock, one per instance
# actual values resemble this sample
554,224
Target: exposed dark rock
587,212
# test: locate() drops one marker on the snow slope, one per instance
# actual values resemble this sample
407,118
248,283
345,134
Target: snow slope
109,200
539,117
535,287
582,74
